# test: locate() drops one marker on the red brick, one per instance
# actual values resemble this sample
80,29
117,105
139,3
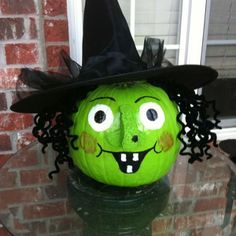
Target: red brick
5,142
56,30
26,234
56,191
17,6
3,102
38,176
183,173
33,28
216,161
223,188
162,225
44,210
210,204
24,159
15,121
216,173
196,190
24,139
11,28
53,55
4,231
69,208
18,196
36,227
18,225
8,78
4,159
21,53
74,233
54,8
199,220
216,231
65,224
181,207
7,179
163,234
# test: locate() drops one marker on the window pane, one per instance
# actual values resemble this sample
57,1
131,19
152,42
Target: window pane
158,18
222,23
223,59
222,26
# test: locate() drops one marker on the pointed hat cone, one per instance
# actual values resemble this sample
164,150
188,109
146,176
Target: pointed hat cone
106,31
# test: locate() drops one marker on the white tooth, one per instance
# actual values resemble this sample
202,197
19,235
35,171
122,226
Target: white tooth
135,157
123,157
129,169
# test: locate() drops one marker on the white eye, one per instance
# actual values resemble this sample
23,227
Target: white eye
151,115
100,117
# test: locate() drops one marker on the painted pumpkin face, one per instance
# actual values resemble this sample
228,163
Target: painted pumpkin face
127,134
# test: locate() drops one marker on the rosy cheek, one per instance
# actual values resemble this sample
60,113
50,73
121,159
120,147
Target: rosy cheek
87,142
166,141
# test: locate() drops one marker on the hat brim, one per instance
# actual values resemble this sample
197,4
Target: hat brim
55,99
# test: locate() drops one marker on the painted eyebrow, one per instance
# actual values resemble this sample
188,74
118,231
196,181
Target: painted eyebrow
146,97
111,98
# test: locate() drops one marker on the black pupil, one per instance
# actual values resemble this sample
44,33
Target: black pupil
100,116
151,114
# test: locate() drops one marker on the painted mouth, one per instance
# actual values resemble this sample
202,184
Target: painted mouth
129,162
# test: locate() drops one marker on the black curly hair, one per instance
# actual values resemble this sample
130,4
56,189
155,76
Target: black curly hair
197,125
195,135
54,128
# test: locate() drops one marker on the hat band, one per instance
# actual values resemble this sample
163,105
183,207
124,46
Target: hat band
109,64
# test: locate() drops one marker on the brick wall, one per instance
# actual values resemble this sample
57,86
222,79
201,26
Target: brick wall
32,33
30,203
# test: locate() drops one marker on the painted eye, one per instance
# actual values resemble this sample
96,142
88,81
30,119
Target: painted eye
151,115
100,117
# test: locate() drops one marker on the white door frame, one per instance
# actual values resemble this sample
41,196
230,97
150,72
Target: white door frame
75,27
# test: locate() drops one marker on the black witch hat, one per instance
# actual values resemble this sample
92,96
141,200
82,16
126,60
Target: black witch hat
109,56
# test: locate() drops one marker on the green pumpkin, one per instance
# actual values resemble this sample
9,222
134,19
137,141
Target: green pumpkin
127,134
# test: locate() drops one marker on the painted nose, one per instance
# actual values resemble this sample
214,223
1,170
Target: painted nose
129,126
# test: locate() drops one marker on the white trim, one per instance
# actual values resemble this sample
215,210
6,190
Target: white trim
206,31
184,29
226,133
192,31
222,42
75,25
132,17
196,31
172,46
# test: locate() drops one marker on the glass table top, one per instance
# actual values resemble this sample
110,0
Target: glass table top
192,200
